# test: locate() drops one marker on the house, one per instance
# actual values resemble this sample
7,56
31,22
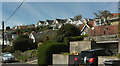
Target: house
57,23
69,21
40,23
10,37
48,22
14,36
114,20
98,21
6,41
84,29
0,37
22,27
30,26
91,23
36,36
104,30
85,20
14,28
86,26
78,23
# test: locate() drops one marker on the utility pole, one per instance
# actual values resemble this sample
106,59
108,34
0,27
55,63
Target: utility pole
3,36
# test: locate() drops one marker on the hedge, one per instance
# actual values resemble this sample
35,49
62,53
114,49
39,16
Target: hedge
45,52
76,38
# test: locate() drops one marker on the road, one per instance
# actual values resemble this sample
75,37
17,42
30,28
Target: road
18,64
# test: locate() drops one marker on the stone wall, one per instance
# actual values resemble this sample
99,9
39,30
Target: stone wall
78,46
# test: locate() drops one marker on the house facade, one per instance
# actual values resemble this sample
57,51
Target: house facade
69,21
41,23
36,36
104,30
57,23
48,22
84,29
114,20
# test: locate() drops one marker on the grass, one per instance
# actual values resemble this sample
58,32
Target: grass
117,55
25,56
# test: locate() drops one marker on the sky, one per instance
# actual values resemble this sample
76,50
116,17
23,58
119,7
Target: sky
32,12
61,0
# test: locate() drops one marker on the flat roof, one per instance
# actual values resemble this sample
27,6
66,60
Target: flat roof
108,42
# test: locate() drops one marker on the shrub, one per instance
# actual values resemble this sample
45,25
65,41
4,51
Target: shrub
45,52
67,30
23,43
76,38
9,49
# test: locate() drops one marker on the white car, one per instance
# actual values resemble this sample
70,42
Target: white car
7,57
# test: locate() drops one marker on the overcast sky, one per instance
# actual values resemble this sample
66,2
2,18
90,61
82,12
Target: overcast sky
31,12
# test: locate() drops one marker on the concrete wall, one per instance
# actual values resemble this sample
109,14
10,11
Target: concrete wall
103,38
60,60
107,46
64,60
101,59
119,46
78,46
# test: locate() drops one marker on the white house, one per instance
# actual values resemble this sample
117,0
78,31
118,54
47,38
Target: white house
85,20
57,23
86,26
6,42
69,21
41,23
0,39
14,36
48,22
79,22
36,36
114,20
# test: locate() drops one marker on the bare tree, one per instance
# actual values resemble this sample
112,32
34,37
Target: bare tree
103,15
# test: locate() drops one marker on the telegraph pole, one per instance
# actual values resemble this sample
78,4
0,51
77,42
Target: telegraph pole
3,36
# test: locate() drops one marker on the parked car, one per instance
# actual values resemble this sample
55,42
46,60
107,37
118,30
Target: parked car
90,57
7,57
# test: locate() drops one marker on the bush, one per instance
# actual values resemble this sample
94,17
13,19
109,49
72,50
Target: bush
9,49
67,30
23,43
45,52
76,38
